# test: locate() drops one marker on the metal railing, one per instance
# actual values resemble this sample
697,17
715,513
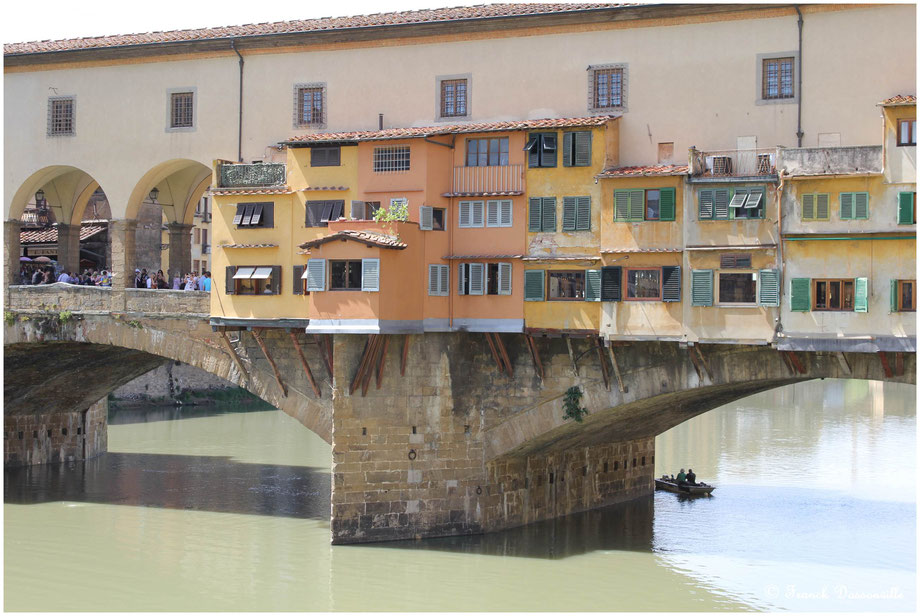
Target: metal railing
241,175
733,163
481,180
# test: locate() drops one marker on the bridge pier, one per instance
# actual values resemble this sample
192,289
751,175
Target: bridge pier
52,438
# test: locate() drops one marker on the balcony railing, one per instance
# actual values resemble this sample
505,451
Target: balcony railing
485,180
251,175
733,163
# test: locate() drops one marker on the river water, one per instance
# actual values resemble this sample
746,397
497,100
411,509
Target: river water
224,510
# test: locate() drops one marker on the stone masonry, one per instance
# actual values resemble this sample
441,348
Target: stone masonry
51,438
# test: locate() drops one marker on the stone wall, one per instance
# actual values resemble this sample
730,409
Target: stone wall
75,298
51,438
170,382
149,237
192,303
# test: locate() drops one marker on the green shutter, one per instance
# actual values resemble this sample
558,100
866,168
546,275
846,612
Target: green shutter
533,147
800,295
582,154
906,208
620,205
720,203
705,201
894,296
567,149
533,285
701,288
846,206
592,285
568,213
636,205
670,283
861,290
535,215
549,213
808,207
583,213
548,150
769,287
611,283
668,204
861,205
822,206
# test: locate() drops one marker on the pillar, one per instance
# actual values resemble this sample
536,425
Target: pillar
68,247
11,230
121,238
180,249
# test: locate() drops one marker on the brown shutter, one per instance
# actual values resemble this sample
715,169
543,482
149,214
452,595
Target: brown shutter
297,280
230,286
276,279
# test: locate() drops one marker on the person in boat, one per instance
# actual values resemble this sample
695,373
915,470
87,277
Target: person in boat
691,477
681,477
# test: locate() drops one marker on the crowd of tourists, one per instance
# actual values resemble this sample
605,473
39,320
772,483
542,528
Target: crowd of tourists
46,275
190,282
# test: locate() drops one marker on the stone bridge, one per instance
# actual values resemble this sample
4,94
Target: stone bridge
431,435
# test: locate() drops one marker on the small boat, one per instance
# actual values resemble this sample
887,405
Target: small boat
671,485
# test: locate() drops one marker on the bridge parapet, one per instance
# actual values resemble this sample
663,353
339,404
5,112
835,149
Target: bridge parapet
81,299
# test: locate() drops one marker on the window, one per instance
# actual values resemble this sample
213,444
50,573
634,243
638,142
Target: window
638,205
777,78
498,213
815,206
388,159
643,284
541,150
253,215
439,280
735,261
904,296
542,214
907,132
740,288
576,149
607,87
438,221
576,213
309,105
471,214
907,208
345,275
431,218
319,213
358,274
484,278
566,285
182,110
492,152
197,234
361,210
61,115
253,280
854,206
731,204
833,295
453,98
326,156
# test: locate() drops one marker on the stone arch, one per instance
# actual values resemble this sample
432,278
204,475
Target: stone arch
177,180
65,187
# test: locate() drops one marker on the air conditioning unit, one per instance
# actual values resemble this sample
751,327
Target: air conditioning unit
721,165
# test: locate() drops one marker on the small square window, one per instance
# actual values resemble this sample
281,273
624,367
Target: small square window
643,284
310,105
61,115
836,295
566,285
181,110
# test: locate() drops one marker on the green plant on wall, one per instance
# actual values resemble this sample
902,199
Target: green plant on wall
64,316
571,404
397,212
9,317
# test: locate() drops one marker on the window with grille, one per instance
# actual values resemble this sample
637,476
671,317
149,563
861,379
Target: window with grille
388,159
310,105
61,115
487,152
608,87
778,78
182,110
453,98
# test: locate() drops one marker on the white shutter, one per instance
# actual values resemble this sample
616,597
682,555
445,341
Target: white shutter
370,274
425,218
445,280
492,214
477,278
478,207
504,279
466,215
433,280
461,278
504,219
316,275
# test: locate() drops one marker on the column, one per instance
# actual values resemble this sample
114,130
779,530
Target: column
180,249
68,247
121,239
11,230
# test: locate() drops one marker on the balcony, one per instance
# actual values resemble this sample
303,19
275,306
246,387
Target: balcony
850,160
717,165
497,180
254,175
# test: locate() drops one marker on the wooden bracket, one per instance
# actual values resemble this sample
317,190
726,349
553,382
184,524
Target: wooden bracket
405,356
503,353
616,370
374,357
383,360
844,364
885,365
495,356
362,366
271,362
899,363
325,353
306,366
535,354
234,356
600,356
568,343
794,359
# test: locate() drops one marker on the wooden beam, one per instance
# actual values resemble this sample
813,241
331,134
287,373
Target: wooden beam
328,344
271,362
495,356
306,366
234,356
882,356
405,356
795,362
603,360
362,365
699,367
535,353
568,343
322,352
788,363
374,354
503,353
899,363
616,370
383,360
844,364
703,360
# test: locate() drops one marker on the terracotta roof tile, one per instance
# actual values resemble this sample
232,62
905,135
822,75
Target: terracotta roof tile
328,188
900,99
50,235
454,257
560,258
487,11
280,190
643,170
613,251
364,237
447,129
248,245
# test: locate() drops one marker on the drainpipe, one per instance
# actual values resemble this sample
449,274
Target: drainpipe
240,129
799,132
781,256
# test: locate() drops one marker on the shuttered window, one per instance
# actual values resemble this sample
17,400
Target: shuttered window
611,283
498,213
254,280
670,283
541,150
319,213
297,280
425,218
542,214
907,211
854,206
727,204
668,205
476,278
769,287
735,261
815,206
643,284
701,287
576,149
255,215
358,210
438,280
800,294
472,214
326,156
533,285
316,275
637,205
370,274
229,287
592,285
568,213
861,303
504,279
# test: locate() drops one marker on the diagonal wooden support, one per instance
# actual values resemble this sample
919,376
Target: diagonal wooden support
795,362
405,356
703,361
568,343
535,353
899,363
616,370
328,342
498,360
362,365
372,364
383,360
503,353
844,364
306,366
885,365
600,356
271,362
326,355
234,356
698,366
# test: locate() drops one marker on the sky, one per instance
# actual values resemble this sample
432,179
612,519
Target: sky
39,20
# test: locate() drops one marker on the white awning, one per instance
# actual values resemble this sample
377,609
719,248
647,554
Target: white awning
305,274
262,273
244,273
